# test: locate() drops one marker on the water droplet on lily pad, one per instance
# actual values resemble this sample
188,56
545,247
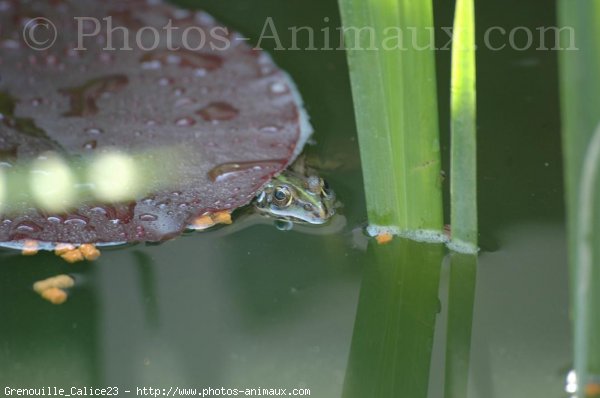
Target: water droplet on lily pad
148,217
218,111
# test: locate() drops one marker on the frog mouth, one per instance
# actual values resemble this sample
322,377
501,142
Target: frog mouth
317,218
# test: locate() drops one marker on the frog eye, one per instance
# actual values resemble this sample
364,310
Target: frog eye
282,196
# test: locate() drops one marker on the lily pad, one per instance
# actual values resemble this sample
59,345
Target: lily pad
138,89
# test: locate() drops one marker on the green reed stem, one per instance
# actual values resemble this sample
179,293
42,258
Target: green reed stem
390,51
463,175
580,97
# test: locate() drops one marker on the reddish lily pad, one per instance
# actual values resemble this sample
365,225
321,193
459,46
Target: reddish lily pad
238,115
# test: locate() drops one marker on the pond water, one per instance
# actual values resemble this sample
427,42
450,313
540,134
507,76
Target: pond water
261,307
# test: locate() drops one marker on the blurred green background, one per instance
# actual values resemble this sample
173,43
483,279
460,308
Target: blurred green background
267,308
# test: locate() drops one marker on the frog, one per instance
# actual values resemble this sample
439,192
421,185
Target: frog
294,197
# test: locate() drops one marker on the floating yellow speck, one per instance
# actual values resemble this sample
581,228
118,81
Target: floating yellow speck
208,220
30,247
384,238
72,256
222,217
54,295
51,289
592,390
62,248
202,222
59,281
89,251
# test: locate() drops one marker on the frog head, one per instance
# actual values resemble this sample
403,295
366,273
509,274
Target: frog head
294,197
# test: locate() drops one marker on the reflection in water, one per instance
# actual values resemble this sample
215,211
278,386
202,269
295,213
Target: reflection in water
42,343
393,334
520,337
461,298
571,383
245,219
146,266
591,389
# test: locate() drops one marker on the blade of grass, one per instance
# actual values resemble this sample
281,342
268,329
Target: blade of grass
463,201
463,167
394,90
580,103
